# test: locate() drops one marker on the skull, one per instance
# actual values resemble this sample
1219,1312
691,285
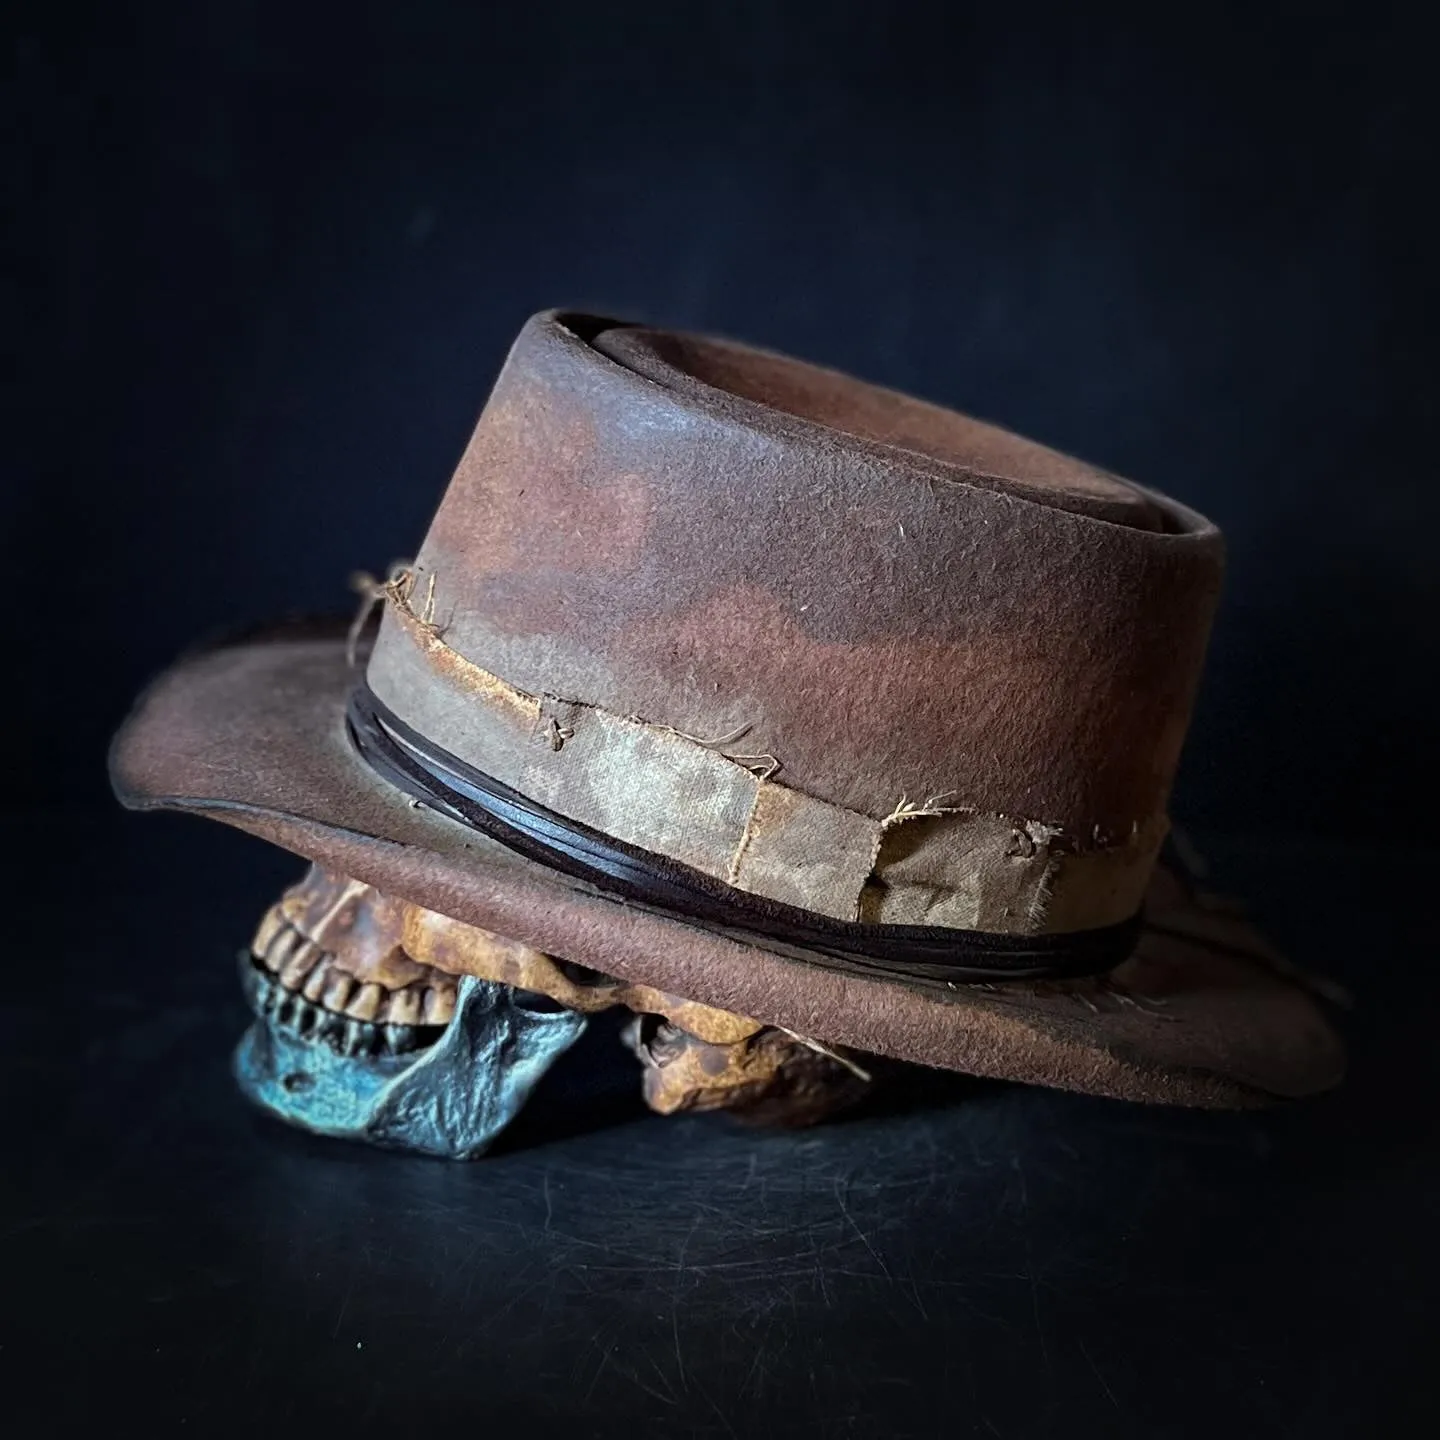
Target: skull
767,1077
380,1020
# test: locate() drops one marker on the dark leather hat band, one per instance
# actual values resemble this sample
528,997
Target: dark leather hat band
918,954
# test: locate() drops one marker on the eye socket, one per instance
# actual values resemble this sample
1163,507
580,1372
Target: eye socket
535,1002
661,1039
578,974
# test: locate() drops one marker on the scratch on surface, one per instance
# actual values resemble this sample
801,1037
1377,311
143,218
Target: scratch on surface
667,1398
749,1173
675,1335
757,1363
675,1304
818,1272
1035,1309
344,1306
864,1238
720,1414
599,1369
1104,1384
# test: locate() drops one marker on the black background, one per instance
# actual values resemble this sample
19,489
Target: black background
269,259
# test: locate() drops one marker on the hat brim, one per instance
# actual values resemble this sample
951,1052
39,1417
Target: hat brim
253,734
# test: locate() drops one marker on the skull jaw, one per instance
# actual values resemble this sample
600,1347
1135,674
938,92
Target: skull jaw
450,1099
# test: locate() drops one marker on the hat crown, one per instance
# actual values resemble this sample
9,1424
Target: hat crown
1022,632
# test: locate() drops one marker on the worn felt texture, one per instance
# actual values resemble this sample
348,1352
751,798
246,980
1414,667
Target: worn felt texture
920,604
253,735
893,605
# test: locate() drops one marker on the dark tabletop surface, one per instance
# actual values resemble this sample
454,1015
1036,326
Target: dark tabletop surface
985,1260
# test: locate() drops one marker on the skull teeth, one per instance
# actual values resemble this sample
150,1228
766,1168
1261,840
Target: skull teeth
365,1003
404,1007
280,949
297,986
337,991
438,1005
342,1033
316,981
300,964
270,927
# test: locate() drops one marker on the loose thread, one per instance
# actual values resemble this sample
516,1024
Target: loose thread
375,592
912,810
828,1053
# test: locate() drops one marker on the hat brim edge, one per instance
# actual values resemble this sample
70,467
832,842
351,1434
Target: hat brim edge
427,859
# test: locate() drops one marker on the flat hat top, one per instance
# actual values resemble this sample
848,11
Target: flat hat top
963,450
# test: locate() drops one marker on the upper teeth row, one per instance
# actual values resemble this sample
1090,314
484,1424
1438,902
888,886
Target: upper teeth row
302,966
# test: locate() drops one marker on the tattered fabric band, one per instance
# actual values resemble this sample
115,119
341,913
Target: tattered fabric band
717,807
922,953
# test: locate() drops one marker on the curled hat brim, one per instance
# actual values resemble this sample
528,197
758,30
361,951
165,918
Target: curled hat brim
253,734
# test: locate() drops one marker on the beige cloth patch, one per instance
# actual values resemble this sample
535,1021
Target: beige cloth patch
804,852
971,872
641,784
1087,890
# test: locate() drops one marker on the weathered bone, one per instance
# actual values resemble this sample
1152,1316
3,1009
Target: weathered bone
769,1078
368,978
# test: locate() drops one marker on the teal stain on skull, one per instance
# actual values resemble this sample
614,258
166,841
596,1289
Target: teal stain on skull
432,1090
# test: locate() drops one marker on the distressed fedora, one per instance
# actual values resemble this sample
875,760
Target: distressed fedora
737,677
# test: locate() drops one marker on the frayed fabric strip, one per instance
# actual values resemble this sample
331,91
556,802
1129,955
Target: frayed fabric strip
921,954
700,803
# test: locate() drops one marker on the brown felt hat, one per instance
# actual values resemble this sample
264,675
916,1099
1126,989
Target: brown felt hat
737,677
